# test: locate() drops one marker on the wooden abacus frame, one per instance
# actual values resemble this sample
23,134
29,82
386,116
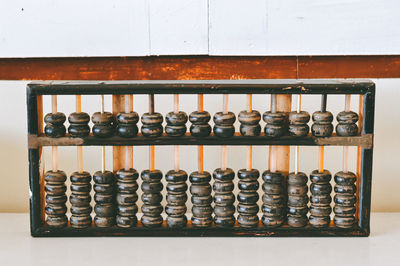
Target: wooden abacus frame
364,142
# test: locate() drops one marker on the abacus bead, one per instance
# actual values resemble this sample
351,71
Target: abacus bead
80,199
298,123
322,126
177,187
248,197
345,199
78,124
103,124
224,198
105,199
347,124
320,200
249,123
176,124
127,127
297,199
55,177
276,124
273,199
224,124
55,125
127,197
345,178
151,198
55,198
201,199
152,124
200,126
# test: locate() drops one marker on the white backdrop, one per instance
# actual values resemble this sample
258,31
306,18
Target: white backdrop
216,27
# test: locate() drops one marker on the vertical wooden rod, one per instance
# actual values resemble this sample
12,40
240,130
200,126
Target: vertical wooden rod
225,103
79,148
269,157
54,150
249,161
323,102
297,148
151,157
78,103
176,103
273,103
200,158
103,159
102,103
224,156
176,153
272,159
151,103
346,148
321,159
128,157
249,157
200,99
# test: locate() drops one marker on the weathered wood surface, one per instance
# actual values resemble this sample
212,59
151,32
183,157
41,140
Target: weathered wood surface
363,141
199,67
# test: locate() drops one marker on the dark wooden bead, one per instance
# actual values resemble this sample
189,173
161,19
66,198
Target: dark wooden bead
273,207
277,124
200,126
127,126
224,124
250,123
344,221
127,197
223,197
152,124
345,178
151,198
201,198
104,197
322,126
297,199
248,197
320,208
78,124
80,200
57,221
347,124
101,221
55,125
56,198
176,187
298,123
103,124
176,124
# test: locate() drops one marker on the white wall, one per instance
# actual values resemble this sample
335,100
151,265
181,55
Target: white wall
14,160
48,28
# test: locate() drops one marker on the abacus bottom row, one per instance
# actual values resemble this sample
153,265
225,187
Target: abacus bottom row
285,199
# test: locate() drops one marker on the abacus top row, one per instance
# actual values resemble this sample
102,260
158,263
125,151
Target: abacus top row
277,123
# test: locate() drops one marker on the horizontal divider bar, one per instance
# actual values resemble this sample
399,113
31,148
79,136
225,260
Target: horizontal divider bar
365,141
235,231
202,87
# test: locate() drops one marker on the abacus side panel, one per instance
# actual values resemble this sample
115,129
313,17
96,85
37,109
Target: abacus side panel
367,159
34,191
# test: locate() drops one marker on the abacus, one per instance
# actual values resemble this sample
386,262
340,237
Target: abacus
293,204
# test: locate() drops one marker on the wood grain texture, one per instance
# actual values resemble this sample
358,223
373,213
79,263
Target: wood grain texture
199,67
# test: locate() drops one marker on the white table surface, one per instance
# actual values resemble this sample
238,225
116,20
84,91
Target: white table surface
382,248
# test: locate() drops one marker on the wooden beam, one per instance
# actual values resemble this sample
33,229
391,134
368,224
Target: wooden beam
199,67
